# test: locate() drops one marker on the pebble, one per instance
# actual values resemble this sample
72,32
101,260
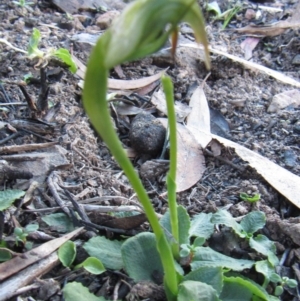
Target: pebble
105,20
296,60
289,158
296,129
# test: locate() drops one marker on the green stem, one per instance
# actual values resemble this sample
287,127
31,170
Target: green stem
94,99
171,179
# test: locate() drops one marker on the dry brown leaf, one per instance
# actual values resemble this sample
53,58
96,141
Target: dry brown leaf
275,74
120,84
190,159
248,46
281,179
284,99
273,29
261,31
198,121
215,147
18,263
159,100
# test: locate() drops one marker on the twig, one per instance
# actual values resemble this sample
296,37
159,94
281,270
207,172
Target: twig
118,231
52,183
77,207
13,136
11,46
30,101
25,148
239,168
116,290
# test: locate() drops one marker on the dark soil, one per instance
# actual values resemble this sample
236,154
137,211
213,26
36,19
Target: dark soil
81,164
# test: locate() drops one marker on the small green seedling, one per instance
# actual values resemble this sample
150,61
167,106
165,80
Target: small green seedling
22,233
67,253
34,52
23,3
251,199
226,15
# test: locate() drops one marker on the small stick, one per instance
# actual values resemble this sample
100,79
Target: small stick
52,182
25,148
239,168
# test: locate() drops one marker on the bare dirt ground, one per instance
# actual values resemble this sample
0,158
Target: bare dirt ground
79,162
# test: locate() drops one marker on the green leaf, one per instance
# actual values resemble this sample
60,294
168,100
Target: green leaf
196,291
5,255
210,275
141,258
225,218
31,228
214,7
183,224
59,222
33,44
7,197
66,57
107,251
67,253
198,242
252,286
75,291
265,268
291,283
278,290
232,291
201,225
253,221
264,246
275,278
205,256
248,198
19,232
93,265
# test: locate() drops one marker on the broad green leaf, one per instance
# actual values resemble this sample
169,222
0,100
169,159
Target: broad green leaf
234,291
252,286
67,253
93,265
183,224
7,197
59,222
223,217
5,255
33,44
198,242
201,225
65,56
207,257
210,275
264,267
196,291
75,291
141,258
264,246
253,221
31,228
107,251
